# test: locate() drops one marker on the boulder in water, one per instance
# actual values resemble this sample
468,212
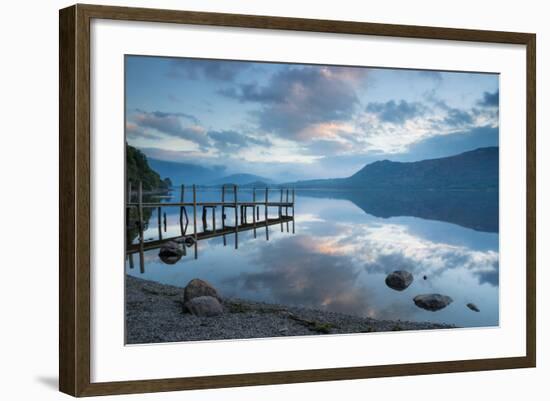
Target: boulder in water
399,280
432,302
171,252
473,307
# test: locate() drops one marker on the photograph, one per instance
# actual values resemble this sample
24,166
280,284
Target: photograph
268,199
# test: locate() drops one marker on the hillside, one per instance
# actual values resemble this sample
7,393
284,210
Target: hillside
138,169
476,169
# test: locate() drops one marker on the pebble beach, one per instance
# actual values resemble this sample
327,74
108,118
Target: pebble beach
155,313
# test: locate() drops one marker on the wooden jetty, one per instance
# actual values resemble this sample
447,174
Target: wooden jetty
238,208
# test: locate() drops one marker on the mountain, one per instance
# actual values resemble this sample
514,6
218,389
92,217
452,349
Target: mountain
187,173
138,169
242,179
476,169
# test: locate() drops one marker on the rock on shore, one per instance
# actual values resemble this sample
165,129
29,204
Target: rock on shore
204,306
155,314
199,288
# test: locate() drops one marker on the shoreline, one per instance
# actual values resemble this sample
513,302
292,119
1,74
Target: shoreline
154,314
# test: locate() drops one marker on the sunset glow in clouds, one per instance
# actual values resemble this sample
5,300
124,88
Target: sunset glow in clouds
292,121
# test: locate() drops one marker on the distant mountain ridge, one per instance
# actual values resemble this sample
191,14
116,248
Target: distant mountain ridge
476,169
186,173
242,179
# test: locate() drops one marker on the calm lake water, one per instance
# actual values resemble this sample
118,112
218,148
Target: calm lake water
344,245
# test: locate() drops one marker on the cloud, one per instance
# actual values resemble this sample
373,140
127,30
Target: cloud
219,70
490,277
451,144
232,140
306,276
161,114
171,124
489,99
170,155
384,247
458,118
134,131
296,99
396,112
329,147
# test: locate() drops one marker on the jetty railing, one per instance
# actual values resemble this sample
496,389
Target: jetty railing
240,209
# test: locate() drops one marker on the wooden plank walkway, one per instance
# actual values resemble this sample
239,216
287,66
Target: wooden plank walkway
284,206
156,244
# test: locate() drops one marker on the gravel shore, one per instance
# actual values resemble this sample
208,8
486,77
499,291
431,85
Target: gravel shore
154,314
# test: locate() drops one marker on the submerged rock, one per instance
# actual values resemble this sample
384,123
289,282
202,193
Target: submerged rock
188,241
171,252
473,307
399,280
199,288
432,302
204,306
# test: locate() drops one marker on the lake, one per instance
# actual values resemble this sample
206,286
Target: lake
343,246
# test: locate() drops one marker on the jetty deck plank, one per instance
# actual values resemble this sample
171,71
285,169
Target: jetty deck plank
148,245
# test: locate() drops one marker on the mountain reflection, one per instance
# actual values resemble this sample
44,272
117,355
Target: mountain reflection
472,209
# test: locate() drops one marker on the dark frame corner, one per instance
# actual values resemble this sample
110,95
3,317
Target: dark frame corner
74,199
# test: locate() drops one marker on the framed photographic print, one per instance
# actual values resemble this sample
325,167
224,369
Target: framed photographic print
250,200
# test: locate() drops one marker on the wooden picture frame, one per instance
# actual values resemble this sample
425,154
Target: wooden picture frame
75,199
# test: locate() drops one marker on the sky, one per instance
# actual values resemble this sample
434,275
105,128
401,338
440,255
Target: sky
295,121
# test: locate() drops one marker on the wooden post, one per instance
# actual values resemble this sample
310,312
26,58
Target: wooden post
141,239
204,223
293,200
236,217
280,202
131,260
266,214
164,220
214,219
223,215
159,222
195,220
182,208
128,209
254,210
286,207
281,209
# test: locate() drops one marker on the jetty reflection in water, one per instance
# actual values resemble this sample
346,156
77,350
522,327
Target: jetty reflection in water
345,244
